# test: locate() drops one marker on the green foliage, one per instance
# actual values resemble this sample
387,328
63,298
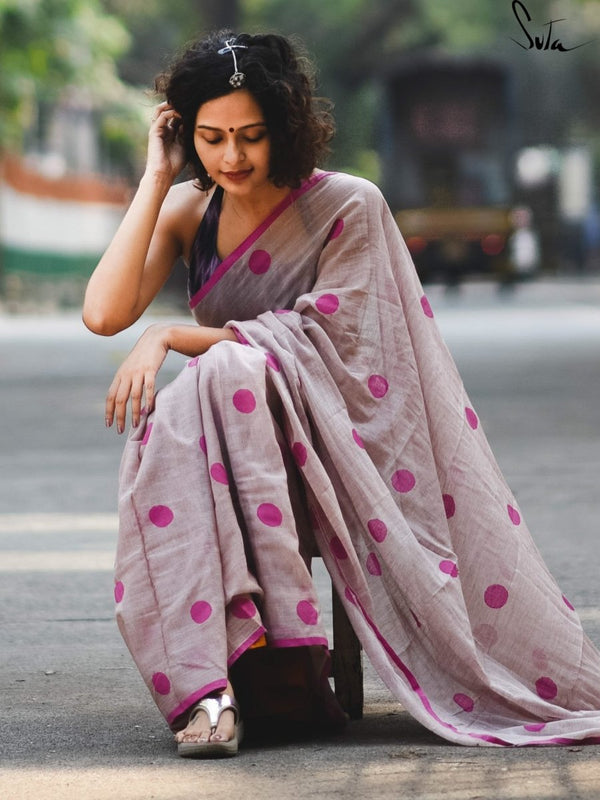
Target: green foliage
46,45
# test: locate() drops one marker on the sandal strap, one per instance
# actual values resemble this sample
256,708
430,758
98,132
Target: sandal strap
213,707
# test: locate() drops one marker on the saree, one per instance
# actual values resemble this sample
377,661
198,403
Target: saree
339,418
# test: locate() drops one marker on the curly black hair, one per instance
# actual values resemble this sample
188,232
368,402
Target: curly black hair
279,77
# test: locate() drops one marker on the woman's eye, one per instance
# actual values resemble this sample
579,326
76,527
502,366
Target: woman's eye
212,141
252,139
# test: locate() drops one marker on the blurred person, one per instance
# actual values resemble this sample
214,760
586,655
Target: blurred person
320,409
524,244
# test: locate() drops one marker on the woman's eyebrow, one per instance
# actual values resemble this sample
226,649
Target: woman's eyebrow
241,128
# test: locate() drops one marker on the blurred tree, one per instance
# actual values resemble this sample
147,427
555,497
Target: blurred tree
46,45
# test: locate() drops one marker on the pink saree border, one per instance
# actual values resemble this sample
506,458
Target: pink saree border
300,642
254,637
239,251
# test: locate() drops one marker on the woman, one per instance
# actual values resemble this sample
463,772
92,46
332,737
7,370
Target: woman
319,405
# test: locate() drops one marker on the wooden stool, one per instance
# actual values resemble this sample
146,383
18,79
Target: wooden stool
347,661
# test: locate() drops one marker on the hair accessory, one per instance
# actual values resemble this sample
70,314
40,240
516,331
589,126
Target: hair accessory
238,78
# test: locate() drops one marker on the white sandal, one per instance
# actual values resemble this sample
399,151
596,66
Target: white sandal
213,707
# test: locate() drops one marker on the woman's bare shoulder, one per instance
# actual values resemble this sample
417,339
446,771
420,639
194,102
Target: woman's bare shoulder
182,212
184,198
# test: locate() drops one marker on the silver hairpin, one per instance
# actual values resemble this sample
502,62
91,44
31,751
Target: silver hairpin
238,78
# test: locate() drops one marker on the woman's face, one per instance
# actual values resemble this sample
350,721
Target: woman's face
232,141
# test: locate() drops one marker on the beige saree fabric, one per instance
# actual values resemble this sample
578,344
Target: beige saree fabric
340,415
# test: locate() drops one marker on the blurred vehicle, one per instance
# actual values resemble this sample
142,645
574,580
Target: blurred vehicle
446,154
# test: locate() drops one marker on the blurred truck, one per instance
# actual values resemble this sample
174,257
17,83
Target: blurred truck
446,156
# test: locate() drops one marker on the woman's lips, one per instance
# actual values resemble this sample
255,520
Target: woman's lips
238,176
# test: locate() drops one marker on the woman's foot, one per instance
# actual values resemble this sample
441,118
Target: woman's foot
198,730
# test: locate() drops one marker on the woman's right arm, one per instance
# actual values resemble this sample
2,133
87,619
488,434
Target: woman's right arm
142,253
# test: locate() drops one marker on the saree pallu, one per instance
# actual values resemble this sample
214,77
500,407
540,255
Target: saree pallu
340,418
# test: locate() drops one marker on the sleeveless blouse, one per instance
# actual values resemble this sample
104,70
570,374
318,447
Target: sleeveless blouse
204,258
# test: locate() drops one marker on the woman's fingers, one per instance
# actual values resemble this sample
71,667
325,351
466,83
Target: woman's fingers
137,387
165,149
149,390
109,406
135,380
165,116
120,403
121,392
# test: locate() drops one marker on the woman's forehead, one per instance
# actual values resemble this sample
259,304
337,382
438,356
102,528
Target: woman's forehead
231,111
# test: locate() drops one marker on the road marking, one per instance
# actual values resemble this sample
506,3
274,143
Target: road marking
57,561
57,523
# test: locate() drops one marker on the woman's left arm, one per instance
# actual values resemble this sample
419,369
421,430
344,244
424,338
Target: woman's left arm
136,377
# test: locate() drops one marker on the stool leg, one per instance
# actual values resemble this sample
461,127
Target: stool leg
347,661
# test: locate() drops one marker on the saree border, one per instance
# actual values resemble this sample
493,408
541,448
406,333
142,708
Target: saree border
242,248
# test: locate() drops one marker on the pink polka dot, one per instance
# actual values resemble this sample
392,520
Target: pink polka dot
307,612
327,304
373,565
336,229
161,683
378,386
242,608
119,591
496,595
403,480
471,418
337,548
514,515
426,307
350,595
200,611
202,444
161,516
300,453
147,433
539,659
416,619
244,401
269,514
259,262
194,361
273,362
357,439
546,688
535,727
568,603
449,568
486,635
464,701
219,473
449,505
377,529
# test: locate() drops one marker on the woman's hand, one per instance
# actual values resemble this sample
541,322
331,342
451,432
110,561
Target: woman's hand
136,378
166,153
137,375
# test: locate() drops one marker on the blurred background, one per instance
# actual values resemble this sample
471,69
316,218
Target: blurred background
478,120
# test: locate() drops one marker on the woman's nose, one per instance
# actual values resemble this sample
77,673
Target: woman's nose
233,152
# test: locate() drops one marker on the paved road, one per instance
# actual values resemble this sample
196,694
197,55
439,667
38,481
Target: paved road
76,721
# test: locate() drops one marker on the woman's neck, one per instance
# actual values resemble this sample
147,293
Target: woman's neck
255,206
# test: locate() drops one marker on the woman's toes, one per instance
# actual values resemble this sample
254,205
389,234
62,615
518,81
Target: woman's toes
195,732
225,729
